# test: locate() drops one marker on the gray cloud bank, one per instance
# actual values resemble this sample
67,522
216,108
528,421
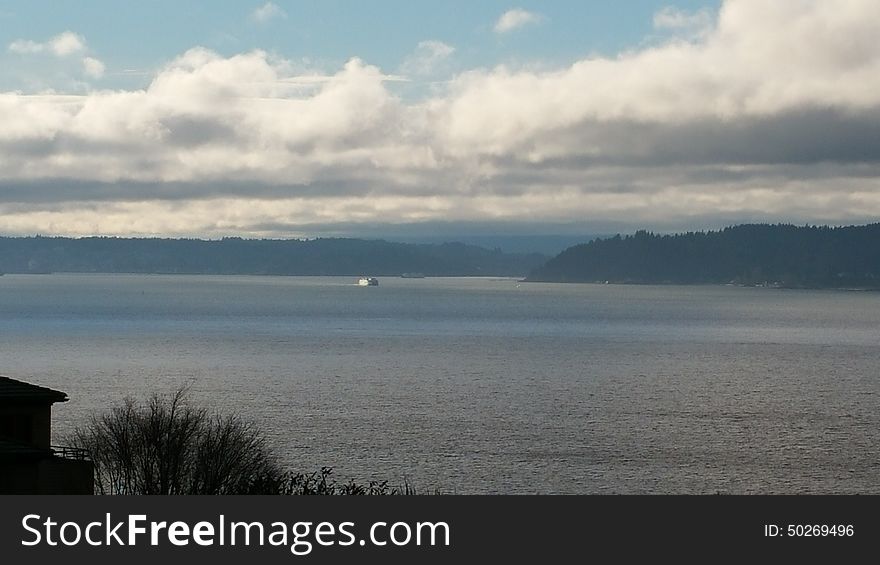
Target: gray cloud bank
772,112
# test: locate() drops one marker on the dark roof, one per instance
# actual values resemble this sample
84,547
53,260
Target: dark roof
13,391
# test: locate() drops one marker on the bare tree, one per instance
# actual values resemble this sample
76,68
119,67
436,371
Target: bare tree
169,446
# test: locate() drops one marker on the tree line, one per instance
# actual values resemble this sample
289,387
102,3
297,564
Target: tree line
753,254
330,256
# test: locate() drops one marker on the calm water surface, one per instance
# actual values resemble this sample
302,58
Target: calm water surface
483,385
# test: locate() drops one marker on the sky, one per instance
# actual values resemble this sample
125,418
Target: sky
391,118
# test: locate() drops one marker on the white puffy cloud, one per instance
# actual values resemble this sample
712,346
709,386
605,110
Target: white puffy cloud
515,19
772,114
427,57
66,43
759,60
93,67
676,19
62,45
268,12
26,46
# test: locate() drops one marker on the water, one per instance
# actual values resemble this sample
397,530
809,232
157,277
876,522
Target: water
483,385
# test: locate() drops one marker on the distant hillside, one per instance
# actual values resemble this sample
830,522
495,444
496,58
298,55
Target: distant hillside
777,255
549,245
264,257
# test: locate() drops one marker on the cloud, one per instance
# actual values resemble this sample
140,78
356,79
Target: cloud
26,47
427,57
93,67
62,45
772,114
66,43
514,19
268,12
671,18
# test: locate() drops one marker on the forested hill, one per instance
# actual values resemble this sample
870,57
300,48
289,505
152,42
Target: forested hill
270,257
775,255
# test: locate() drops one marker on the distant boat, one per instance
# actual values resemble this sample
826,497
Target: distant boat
412,276
368,281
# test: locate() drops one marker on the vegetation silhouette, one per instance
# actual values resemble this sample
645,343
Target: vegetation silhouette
236,256
169,446
756,254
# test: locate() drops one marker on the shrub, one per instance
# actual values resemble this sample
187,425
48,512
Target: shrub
169,446
322,483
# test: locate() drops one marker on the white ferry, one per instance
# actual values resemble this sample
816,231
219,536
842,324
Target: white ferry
368,281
